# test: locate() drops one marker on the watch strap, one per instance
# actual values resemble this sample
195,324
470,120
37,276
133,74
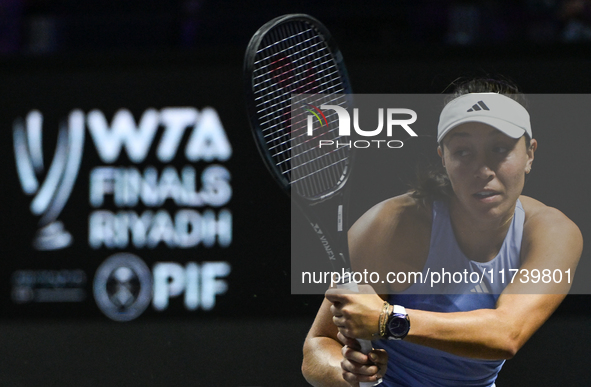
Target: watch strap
398,309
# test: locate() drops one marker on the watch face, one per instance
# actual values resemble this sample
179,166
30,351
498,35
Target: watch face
398,325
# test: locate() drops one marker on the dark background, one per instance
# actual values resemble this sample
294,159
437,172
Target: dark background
60,55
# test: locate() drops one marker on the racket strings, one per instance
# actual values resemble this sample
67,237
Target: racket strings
287,73
294,59
299,127
324,87
264,67
307,148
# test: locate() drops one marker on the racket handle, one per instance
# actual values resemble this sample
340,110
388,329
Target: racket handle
366,346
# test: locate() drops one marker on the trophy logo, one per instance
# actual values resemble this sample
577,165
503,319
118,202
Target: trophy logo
50,195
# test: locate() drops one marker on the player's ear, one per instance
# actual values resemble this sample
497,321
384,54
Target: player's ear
440,153
533,145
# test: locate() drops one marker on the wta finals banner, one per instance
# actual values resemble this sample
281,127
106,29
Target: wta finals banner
395,139
131,195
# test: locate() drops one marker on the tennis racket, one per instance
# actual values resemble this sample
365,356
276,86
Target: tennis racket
295,55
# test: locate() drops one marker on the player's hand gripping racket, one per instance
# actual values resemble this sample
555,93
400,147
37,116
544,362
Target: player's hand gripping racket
297,139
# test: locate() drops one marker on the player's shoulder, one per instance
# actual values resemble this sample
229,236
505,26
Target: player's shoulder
393,235
541,218
402,209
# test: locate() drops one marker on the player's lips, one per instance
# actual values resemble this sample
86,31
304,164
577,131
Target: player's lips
486,195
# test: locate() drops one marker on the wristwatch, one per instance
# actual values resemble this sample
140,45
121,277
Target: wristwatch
398,324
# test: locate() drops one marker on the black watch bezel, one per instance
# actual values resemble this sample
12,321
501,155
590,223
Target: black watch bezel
397,326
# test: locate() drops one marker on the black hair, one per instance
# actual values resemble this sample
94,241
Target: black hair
432,182
486,85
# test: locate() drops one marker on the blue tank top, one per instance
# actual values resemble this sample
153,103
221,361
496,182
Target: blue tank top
416,365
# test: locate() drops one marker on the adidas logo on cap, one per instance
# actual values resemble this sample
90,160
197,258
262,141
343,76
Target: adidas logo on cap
479,106
502,113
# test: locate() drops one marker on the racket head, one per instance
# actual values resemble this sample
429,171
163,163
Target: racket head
296,55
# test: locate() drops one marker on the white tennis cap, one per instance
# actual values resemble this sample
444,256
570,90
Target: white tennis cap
497,110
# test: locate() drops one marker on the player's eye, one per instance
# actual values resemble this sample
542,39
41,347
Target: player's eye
501,149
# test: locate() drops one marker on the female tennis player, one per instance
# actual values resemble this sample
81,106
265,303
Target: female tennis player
470,219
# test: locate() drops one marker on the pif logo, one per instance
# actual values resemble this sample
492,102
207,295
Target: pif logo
393,117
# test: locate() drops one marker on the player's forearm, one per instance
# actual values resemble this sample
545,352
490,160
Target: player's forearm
481,334
322,362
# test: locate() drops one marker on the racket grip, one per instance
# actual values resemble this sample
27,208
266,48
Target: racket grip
365,344
366,348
